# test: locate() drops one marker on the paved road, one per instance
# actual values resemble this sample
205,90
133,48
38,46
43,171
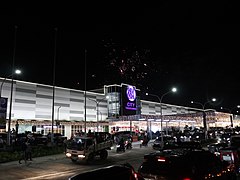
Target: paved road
58,167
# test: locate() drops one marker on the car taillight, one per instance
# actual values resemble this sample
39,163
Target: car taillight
135,176
186,178
161,159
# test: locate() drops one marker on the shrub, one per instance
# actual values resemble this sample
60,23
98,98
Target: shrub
37,151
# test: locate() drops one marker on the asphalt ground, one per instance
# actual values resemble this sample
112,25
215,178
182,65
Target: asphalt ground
57,156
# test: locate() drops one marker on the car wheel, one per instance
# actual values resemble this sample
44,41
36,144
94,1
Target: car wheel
104,154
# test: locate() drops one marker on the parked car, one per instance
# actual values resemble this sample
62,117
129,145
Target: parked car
122,172
58,138
181,164
39,139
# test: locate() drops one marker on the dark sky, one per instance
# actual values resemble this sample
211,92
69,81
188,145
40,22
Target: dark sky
194,47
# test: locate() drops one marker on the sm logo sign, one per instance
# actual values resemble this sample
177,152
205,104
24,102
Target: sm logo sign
129,100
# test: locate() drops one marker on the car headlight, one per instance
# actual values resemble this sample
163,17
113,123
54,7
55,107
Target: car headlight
68,154
81,156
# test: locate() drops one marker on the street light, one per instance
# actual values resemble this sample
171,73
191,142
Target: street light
97,103
230,111
17,71
160,101
204,114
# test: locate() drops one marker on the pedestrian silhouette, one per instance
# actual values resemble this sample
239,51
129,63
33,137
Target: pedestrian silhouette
23,153
28,150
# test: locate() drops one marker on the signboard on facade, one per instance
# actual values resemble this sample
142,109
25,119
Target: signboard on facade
3,112
129,103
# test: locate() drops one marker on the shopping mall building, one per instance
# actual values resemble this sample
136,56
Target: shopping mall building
42,108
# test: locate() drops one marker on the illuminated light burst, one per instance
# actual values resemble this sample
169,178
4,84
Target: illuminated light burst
129,65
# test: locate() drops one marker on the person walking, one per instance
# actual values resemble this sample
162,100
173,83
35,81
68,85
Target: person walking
65,144
23,153
29,150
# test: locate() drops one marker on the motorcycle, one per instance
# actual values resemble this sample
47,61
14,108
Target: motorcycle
120,147
128,144
144,143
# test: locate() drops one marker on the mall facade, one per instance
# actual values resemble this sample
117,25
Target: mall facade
42,108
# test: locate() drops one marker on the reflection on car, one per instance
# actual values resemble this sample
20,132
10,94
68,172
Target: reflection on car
123,172
185,164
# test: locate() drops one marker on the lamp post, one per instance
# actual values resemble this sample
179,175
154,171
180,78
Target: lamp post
17,71
230,111
97,104
161,118
11,94
204,114
101,117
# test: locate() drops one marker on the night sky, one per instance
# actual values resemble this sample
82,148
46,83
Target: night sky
194,47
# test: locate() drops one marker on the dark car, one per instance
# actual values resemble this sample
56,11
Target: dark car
189,145
215,147
58,138
39,139
181,164
231,155
168,141
235,141
114,172
177,145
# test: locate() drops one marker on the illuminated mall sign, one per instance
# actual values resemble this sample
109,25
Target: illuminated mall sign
129,104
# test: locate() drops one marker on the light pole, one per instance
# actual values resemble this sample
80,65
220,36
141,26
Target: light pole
53,82
10,107
161,118
204,114
97,104
230,111
101,117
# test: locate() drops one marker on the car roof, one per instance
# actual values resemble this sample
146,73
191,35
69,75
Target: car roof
106,173
173,152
